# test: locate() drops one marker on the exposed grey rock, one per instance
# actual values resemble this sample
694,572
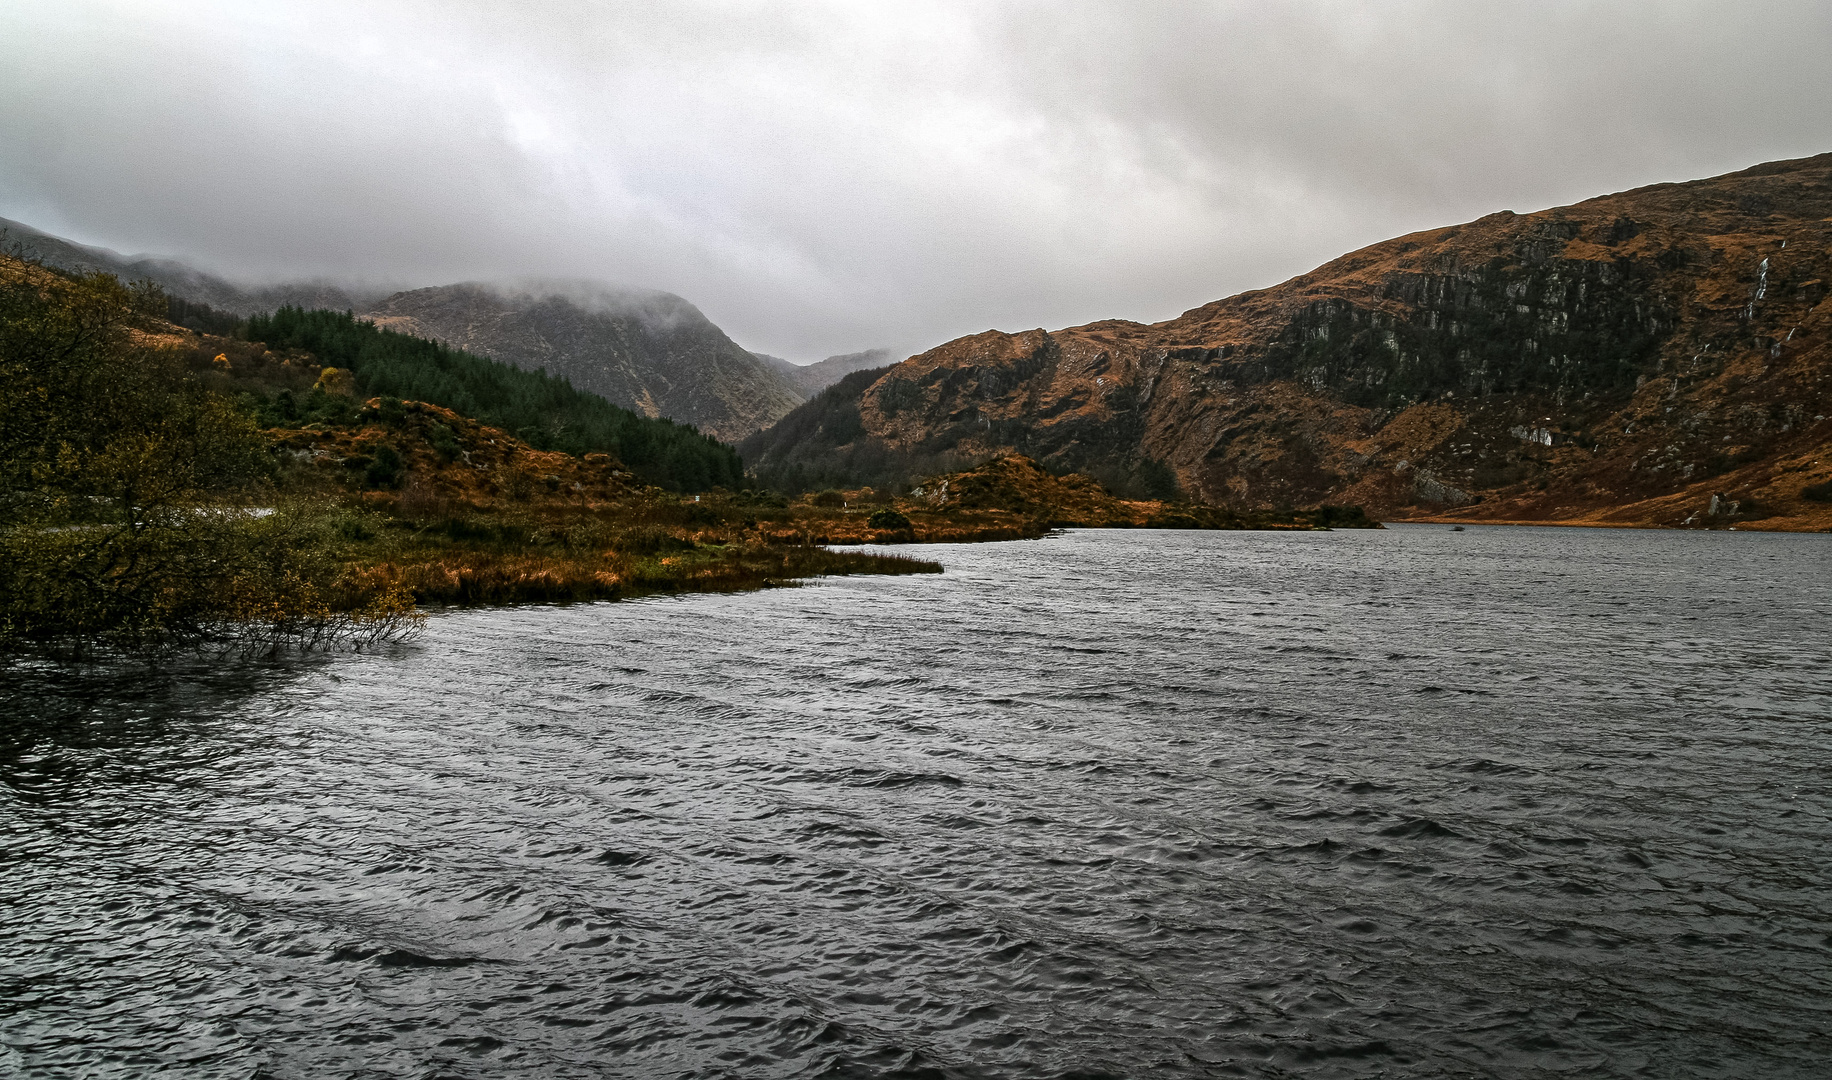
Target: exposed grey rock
1432,490
649,351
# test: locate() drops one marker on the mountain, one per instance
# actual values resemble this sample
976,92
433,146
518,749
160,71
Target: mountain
789,369
176,278
1661,356
549,413
811,379
823,443
649,351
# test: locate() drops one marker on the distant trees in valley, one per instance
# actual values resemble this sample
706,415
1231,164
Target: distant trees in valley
543,410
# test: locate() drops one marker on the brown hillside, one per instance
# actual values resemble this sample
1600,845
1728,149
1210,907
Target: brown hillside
1656,357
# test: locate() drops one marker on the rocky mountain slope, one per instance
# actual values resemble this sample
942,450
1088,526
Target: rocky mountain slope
1662,356
649,351
811,379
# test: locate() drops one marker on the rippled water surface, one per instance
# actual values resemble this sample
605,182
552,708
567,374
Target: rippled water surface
1502,802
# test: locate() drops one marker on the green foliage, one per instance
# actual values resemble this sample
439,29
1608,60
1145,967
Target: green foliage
391,411
385,469
888,519
128,494
547,412
444,442
1339,517
1157,481
287,409
202,317
87,419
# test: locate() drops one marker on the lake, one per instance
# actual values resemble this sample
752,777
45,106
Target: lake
1501,802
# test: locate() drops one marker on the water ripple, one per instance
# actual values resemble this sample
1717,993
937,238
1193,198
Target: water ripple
1494,803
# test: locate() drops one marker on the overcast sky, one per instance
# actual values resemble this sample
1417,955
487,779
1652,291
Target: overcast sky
827,177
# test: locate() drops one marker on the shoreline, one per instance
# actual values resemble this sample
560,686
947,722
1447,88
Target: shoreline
1740,527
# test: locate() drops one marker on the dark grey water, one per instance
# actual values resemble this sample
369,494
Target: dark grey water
1498,803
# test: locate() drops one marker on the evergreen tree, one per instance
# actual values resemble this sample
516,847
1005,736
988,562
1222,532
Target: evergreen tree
545,411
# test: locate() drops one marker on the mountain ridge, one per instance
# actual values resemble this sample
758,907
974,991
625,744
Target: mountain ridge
1636,358
650,351
811,379
645,350
178,278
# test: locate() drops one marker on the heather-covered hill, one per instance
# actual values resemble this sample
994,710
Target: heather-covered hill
543,409
1660,356
1015,484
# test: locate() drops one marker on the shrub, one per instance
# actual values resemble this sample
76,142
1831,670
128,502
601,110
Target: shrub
1339,517
386,469
888,519
444,442
137,506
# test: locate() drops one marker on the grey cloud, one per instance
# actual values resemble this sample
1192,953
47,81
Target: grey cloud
820,178
659,311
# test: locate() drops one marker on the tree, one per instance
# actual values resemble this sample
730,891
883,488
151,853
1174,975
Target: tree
546,412
130,498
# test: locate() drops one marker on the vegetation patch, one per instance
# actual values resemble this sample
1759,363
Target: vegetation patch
138,508
542,410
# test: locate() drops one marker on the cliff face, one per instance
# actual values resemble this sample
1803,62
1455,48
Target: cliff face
1660,356
651,352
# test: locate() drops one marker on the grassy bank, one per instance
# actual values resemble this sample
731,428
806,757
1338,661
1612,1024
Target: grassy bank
468,574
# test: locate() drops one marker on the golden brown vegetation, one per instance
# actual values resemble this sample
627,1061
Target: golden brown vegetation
1657,357
138,507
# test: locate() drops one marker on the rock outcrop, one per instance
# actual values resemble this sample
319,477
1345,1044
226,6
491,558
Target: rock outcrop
1626,360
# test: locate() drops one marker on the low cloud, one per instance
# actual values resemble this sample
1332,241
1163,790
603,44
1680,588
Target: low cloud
820,178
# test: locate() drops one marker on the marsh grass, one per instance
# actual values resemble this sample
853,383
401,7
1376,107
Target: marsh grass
439,570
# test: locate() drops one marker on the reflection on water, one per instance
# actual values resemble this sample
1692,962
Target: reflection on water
1421,803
